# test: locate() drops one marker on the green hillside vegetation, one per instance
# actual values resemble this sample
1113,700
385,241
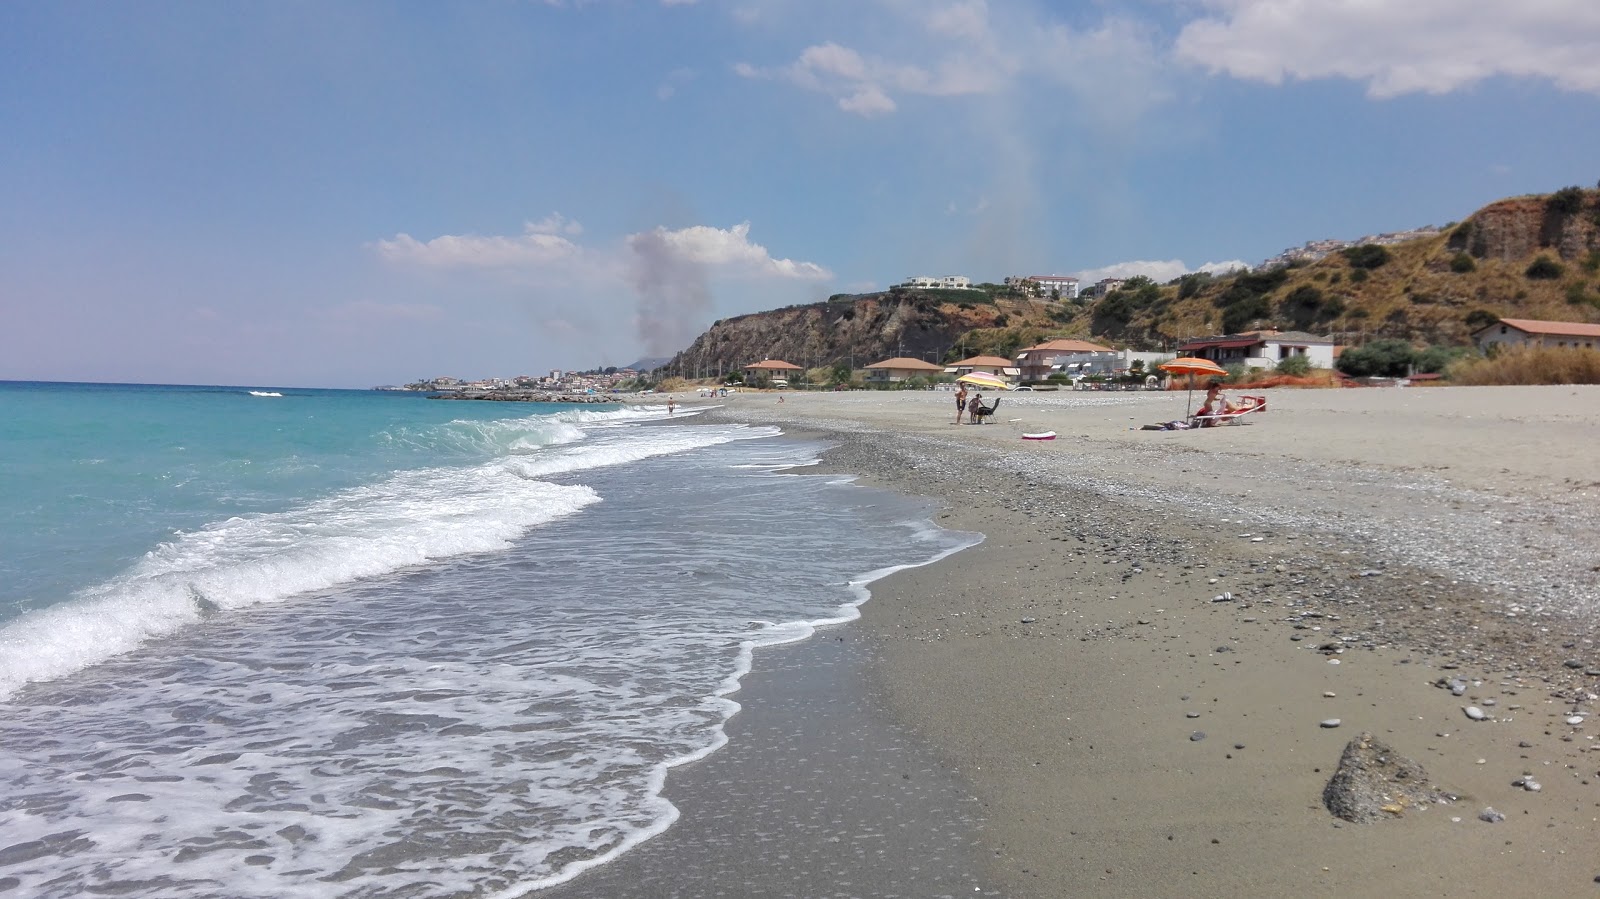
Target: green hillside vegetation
1407,306
1432,291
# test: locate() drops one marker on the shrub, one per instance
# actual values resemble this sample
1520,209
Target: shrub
1566,201
1530,365
1367,255
1591,263
1335,278
1437,358
1480,318
1462,263
1189,285
1240,315
1545,269
1357,276
1385,358
1294,365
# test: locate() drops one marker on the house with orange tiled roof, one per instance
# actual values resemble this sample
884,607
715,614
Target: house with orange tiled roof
901,368
1035,363
775,371
1530,332
998,366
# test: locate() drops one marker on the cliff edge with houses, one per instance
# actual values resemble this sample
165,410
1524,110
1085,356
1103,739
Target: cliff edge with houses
1531,257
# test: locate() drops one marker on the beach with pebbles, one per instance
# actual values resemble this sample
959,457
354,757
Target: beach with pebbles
1345,649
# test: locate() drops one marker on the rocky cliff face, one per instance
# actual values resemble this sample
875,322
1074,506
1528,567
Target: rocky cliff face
855,329
1517,229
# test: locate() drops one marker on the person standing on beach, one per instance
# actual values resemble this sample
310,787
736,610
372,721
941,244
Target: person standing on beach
961,401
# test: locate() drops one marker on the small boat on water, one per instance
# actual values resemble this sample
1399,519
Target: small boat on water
265,393
1042,435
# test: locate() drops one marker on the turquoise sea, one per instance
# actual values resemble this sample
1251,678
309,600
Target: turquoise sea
272,642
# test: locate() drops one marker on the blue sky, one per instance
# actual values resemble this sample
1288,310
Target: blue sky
349,194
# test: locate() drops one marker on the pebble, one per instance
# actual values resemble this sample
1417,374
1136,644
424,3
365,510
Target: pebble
1028,620
1222,597
1491,816
1331,722
1192,715
1474,712
1197,736
1333,661
1575,720
1328,694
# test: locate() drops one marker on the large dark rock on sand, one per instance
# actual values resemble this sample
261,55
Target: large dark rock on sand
1373,781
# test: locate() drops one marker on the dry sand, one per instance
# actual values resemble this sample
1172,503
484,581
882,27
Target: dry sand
1127,735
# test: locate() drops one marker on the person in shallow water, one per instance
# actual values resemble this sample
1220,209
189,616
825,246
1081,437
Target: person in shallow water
671,405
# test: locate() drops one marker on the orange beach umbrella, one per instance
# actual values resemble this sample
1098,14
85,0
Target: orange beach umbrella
1191,366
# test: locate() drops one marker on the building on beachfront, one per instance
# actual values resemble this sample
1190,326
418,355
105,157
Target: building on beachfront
1262,349
1048,286
901,368
1529,332
1038,362
998,366
776,371
948,282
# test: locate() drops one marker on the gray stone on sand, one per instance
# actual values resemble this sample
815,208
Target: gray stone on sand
1373,782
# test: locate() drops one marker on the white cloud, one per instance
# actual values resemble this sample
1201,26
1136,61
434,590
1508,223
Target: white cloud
1415,46
1159,271
967,49
542,249
540,243
727,250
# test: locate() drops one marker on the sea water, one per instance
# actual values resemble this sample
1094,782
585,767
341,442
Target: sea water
259,642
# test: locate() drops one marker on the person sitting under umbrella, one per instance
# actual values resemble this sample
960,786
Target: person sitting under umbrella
1215,405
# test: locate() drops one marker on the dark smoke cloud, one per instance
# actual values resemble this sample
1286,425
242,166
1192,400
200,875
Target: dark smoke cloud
674,296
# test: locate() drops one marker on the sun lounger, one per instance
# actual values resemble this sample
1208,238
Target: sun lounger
982,412
1247,405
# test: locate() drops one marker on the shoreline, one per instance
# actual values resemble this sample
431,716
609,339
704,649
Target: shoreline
1064,668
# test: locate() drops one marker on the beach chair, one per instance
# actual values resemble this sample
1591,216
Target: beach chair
983,412
1247,405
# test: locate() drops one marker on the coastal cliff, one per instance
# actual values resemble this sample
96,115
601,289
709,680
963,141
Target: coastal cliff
1535,257
860,329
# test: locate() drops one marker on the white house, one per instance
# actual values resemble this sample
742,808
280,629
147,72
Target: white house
1064,286
1528,332
948,282
1041,360
1261,349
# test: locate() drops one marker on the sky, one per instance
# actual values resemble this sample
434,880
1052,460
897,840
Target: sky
348,194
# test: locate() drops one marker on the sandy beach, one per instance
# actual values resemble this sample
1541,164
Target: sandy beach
1146,674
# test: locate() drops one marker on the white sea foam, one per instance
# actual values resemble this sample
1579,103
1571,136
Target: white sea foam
490,727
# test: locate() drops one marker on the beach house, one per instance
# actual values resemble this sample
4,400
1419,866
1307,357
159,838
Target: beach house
1529,332
998,366
1261,349
901,368
773,371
